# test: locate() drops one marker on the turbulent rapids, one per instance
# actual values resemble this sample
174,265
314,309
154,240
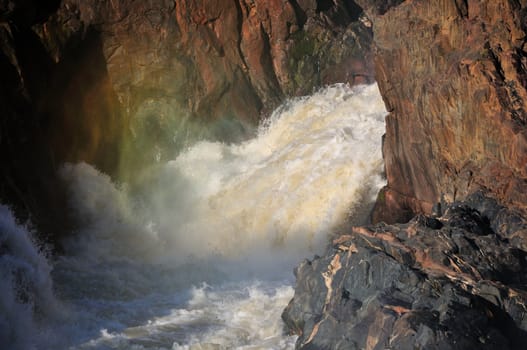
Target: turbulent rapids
201,255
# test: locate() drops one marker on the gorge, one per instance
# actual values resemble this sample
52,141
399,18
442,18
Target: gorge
164,177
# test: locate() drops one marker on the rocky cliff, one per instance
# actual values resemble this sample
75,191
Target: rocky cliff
182,70
453,76
122,84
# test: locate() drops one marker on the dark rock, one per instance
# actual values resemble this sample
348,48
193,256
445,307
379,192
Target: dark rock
378,7
467,218
427,221
449,282
508,223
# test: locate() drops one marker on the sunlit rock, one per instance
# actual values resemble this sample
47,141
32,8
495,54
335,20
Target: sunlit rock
453,75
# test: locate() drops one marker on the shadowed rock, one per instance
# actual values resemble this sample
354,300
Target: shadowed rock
453,282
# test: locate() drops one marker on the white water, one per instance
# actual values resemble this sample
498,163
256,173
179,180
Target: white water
236,217
27,302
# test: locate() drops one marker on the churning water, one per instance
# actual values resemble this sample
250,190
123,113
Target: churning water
201,257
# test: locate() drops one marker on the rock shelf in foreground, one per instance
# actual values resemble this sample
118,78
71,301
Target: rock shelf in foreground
457,281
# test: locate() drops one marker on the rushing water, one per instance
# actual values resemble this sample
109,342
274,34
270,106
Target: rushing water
201,256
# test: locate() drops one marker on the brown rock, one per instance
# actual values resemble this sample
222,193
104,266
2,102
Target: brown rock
223,63
453,75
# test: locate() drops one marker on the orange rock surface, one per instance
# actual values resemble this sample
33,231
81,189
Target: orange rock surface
453,76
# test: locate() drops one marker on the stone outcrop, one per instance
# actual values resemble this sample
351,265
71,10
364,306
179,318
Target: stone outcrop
122,84
452,282
453,76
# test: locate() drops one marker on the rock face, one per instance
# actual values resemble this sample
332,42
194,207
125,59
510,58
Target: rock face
452,282
453,75
121,84
188,69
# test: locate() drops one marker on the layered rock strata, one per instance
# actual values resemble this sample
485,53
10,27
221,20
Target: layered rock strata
453,76
458,281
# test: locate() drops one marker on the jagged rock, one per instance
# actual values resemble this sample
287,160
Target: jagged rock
450,282
26,70
453,76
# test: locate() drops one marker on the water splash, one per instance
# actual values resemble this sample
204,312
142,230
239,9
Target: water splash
27,302
314,162
218,319
225,214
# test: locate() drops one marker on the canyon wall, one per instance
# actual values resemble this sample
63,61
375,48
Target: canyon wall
453,76
183,70
123,84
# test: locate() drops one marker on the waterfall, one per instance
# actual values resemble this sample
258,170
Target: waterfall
200,255
313,163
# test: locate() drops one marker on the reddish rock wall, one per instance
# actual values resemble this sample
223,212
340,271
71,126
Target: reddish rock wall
121,84
223,62
453,76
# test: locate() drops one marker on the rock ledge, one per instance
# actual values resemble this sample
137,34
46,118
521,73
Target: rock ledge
458,281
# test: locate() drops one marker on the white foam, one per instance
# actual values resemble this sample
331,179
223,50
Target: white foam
27,302
312,163
232,317
225,214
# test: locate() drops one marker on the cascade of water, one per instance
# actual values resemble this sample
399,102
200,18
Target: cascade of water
229,215
313,163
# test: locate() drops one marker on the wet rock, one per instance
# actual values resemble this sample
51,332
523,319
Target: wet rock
450,282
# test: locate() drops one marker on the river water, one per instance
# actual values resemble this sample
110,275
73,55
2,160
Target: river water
202,255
